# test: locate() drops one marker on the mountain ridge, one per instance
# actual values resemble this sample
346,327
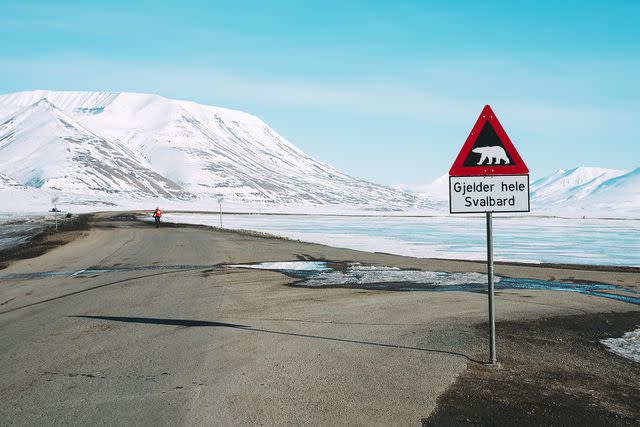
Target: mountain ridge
101,146
577,191
43,146
193,150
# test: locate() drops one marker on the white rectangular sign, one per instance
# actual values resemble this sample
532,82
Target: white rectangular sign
494,193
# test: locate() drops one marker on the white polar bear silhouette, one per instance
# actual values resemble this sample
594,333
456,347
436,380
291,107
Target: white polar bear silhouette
495,154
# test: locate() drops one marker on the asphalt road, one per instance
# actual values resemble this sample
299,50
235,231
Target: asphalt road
162,337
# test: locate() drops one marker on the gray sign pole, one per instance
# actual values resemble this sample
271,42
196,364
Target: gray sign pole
475,187
492,318
220,200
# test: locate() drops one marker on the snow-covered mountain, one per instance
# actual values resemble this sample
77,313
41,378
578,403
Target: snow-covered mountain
139,146
123,149
42,146
620,193
588,191
580,191
565,186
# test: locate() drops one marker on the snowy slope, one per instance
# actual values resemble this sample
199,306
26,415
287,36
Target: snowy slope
101,148
15,197
580,191
438,189
588,191
7,183
42,147
205,150
620,194
570,185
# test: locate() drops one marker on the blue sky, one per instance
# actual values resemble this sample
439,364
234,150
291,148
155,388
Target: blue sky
386,91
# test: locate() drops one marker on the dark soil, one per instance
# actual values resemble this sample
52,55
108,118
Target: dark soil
552,372
46,240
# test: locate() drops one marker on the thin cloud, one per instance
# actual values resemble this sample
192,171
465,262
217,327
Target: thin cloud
374,97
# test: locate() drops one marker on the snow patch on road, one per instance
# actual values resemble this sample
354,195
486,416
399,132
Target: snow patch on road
286,266
357,275
627,346
323,274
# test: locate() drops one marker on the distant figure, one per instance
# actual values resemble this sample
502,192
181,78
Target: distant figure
495,154
157,214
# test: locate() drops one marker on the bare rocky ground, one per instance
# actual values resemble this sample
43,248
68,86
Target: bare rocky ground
552,372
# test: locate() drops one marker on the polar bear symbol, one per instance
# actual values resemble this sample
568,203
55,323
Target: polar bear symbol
495,154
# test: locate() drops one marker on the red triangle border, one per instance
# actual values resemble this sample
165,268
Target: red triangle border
487,115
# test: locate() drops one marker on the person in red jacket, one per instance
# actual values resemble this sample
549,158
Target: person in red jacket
157,214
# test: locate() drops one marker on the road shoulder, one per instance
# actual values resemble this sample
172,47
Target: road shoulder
553,371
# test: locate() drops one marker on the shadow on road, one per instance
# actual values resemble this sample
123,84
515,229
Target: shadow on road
155,321
201,323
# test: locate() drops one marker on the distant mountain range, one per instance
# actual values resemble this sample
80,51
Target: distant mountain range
580,191
41,146
101,148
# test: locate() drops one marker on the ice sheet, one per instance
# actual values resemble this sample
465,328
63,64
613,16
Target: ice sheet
516,238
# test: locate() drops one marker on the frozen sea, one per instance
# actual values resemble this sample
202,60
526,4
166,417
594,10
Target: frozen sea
516,238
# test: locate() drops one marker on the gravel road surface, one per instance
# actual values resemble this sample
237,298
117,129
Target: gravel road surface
157,334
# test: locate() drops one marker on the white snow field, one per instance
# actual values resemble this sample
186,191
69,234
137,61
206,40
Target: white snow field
285,266
522,238
627,346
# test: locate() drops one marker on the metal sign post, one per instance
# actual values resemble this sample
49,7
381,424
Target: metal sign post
54,200
492,313
220,200
489,176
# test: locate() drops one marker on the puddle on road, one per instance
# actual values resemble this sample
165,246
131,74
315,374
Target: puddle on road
322,274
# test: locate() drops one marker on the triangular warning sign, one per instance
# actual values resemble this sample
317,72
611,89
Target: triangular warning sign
488,150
